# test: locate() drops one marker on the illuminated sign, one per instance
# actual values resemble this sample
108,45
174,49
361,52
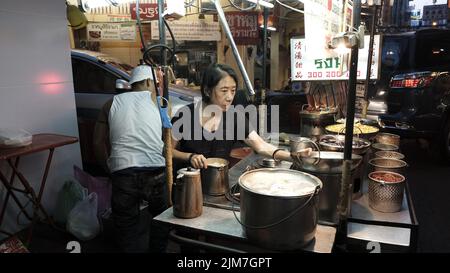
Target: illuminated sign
311,67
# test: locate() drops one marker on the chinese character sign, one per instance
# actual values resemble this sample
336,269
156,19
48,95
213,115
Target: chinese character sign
306,66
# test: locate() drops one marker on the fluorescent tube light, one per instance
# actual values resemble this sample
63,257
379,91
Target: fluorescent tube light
262,3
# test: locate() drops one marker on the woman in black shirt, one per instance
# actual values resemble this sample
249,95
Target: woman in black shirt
210,128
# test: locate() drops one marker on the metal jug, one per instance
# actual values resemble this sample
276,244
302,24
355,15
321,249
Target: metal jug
215,177
187,194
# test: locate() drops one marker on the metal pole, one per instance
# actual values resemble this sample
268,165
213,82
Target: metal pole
369,62
167,132
264,62
162,31
346,182
227,30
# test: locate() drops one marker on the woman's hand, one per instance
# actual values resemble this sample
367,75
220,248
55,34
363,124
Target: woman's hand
198,161
302,153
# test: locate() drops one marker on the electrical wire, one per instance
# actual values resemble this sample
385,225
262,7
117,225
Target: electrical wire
190,4
174,43
242,9
138,19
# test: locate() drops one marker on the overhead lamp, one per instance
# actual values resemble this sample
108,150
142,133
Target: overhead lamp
262,3
348,39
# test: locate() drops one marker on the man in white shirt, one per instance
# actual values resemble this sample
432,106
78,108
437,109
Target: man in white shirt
128,143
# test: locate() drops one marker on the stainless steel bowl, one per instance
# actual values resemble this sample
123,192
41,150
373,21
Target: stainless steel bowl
335,143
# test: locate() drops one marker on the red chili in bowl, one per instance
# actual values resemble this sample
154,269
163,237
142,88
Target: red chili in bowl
386,177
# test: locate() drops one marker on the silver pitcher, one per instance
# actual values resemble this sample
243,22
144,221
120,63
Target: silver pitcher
215,177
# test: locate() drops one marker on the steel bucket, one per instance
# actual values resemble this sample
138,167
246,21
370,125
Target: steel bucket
279,222
386,196
215,177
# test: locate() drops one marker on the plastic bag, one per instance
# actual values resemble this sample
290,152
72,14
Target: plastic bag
10,138
83,222
100,185
70,194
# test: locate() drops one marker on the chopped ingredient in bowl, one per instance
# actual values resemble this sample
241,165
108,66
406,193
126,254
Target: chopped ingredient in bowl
386,177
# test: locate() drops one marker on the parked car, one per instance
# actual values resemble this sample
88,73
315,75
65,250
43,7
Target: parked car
412,98
97,77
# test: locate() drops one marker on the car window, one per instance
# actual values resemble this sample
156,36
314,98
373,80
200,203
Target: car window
91,78
394,55
433,52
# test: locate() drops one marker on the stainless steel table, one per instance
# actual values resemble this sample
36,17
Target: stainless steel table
218,222
221,223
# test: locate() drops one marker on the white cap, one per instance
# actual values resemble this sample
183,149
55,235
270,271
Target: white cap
140,73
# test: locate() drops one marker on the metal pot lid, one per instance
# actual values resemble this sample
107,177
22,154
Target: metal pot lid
279,182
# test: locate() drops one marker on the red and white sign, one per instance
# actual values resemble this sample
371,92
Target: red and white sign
147,11
243,26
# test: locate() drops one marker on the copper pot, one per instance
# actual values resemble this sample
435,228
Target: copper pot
187,194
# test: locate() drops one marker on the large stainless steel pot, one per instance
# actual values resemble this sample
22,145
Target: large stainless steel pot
328,168
279,207
325,162
215,177
312,123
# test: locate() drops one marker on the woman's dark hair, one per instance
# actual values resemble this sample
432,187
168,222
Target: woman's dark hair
212,76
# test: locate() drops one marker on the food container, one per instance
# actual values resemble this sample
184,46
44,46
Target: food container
388,164
387,138
215,177
386,190
361,130
389,155
384,147
279,207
